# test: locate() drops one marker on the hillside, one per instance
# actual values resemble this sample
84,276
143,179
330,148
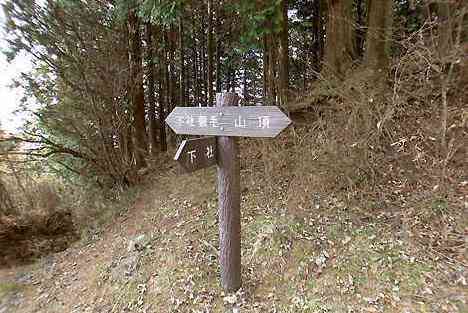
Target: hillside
312,241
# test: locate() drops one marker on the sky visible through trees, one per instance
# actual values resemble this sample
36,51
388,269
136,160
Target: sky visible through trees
9,97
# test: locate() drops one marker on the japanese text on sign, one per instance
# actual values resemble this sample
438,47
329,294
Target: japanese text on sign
251,121
212,121
193,154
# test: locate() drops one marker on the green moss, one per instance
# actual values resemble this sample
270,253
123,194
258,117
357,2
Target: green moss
7,288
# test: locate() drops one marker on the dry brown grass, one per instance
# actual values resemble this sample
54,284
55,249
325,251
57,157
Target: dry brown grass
35,217
339,256
42,215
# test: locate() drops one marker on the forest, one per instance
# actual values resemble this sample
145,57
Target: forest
360,205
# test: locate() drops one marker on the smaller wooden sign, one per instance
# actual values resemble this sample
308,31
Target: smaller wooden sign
196,154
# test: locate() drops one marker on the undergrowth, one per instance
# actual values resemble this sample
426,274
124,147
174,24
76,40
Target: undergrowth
45,215
339,256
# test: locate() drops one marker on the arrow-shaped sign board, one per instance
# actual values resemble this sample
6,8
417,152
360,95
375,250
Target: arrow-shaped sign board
195,154
251,121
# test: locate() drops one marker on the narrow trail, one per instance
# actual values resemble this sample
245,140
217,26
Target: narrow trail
61,282
68,281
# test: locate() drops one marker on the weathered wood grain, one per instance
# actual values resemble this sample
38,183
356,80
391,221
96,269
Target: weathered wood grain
229,204
196,154
251,121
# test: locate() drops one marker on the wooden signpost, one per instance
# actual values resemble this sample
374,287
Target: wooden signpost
225,121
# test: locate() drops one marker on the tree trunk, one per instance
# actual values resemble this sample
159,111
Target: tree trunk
283,55
171,77
272,58
317,47
195,83
445,29
6,205
377,53
163,93
203,61
265,65
218,50
136,88
360,33
340,48
153,131
228,79
210,53
245,92
172,69
130,151
182,98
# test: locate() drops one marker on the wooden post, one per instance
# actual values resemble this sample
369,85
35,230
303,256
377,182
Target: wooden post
229,203
226,121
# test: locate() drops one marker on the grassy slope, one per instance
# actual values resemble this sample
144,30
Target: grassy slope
307,247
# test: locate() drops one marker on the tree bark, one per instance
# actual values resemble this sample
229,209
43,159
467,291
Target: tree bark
360,33
172,69
195,82
340,48
6,205
171,77
218,50
445,29
182,98
163,93
136,88
283,55
377,53
265,65
210,53
245,92
130,147
317,47
153,131
272,61
203,62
